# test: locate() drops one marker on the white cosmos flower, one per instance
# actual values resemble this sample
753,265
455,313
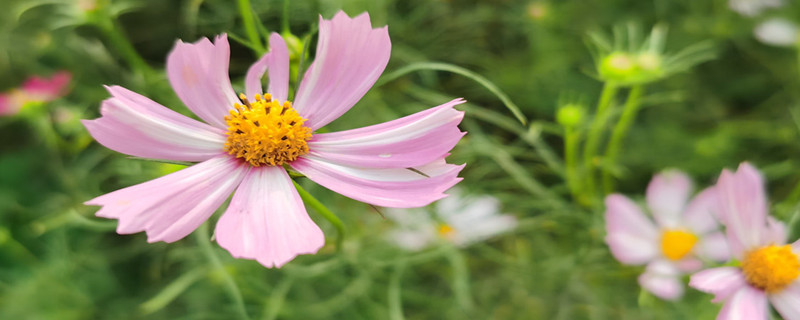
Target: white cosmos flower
460,220
752,8
778,32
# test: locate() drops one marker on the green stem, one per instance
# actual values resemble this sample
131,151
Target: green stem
324,211
230,285
122,44
594,136
629,112
246,11
395,298
571,137
285,20
461,287
278,297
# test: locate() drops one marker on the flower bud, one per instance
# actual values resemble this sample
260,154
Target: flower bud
570,115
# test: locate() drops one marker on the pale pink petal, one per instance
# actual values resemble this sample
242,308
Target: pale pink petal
135,125
747,303
721,282
743,207
266,220
662,279
397,188
714,246
796,246
171,207
787,301
6,106
689,264
406,142
775,232
700,214
198,73
276,61
47,89
632,237
350,58
667,195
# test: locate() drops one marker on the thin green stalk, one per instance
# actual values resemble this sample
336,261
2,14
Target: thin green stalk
629,112
202,238
571,137
395,298
278,297
122,45
461,287
246,11
324,211
285,20
593,138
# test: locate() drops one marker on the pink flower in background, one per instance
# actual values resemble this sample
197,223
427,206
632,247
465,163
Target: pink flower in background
246,142
769,268
682,237
35,89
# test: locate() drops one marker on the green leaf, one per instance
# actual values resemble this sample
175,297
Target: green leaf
439,66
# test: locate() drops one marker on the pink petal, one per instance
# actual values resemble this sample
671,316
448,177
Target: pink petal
721,282
747,303
700,214
667,195
135,125
171,207
396,188
662,279
775,232
6,105
714,246
743,207
689,264
266,220
350,58
277,62
787,302
632,237
198,73
406,142
44,89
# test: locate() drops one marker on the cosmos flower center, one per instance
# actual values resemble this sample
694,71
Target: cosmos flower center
265,132
771,268
676,244
446,231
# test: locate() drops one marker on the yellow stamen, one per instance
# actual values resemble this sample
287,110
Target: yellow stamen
771,268
676,244
446,230
266,132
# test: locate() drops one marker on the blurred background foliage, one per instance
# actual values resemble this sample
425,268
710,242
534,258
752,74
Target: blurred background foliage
57,261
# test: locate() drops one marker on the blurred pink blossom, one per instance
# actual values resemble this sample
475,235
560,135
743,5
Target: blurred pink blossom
35,89
683,236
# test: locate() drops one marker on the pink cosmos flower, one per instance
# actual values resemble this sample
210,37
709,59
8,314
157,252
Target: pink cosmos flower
769,268
245,144
681,239
35,89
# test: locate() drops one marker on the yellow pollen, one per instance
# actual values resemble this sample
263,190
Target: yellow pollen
771,268
676,244
265,132
446,230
